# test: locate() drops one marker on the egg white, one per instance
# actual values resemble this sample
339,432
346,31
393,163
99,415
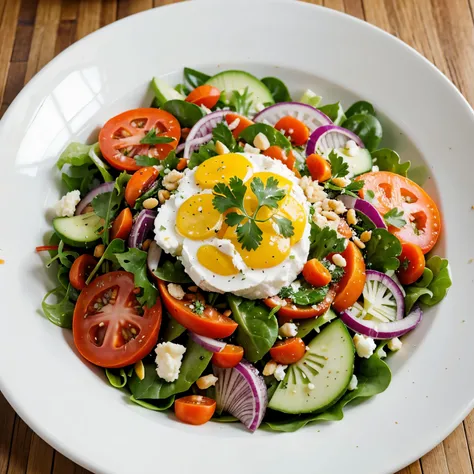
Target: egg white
248,283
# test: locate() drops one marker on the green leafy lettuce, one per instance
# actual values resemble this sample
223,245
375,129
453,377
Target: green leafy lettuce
389,160
324,241
382,250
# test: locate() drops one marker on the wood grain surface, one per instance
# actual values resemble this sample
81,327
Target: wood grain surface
32,32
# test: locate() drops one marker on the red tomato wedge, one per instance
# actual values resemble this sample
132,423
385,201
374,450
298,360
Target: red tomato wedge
120,137
110,328
80,270
210,323
391,190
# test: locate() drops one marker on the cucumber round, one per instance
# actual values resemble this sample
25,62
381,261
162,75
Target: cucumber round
359,164
328,365
79,231
229,81
164,92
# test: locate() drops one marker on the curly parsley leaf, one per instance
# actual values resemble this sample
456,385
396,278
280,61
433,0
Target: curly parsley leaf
339,168
151,138
324,241
134,261
382,251
394,217
221,132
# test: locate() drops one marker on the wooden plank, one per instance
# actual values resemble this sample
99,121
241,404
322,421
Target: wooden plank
9,12
63,465
469,428
15,80
44,36
40,457
88,19
20,447
435,461
109,12
354,8
7,422
129,7
414,468
335,4
457,452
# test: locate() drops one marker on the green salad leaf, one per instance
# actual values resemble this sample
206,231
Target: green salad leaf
335,112
115,247
206,151
59,313
360,108
152,387
75,154
116,377
277,89
151,138
324,241
223,133
195,78
241,101
311,98
101,166
257,331
304,294
382,250
134,261
389,160
83,177
173,272
186,113
169,163
157,405
172,329
367,128
274,136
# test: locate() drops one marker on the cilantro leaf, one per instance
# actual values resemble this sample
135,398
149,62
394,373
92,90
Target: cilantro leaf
234,218
151,138
336,272
350,190
227,197
134,261
285,226
304,294
270,194
206,151
394,217
144,160
389,160
324,241
339,168
169,163
382,250
249,235
369,196
221,132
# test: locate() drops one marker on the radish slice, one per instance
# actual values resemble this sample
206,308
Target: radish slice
241,391
141,228
366,208
382,330
212,345
328,137
202,129
153,257
311,117
103,188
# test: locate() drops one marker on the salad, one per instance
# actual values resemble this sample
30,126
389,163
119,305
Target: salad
231,254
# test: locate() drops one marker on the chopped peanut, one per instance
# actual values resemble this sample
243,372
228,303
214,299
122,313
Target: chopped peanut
99,250
351,217
150,203
206,381
163,195
339,260
270,368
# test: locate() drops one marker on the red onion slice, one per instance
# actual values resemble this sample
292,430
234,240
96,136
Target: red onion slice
87,199
241,391
201,129
153,257
141,228
195,144
212,345
311,117
366,208
328,137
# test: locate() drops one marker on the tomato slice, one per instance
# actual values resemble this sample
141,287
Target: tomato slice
120,137
289,311
420,211
350,286
110,328
139,183
210,323
80,270
194,409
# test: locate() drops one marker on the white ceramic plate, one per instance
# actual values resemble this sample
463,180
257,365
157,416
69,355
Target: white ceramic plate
67,402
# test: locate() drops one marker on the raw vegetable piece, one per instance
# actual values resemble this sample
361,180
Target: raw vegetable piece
194,409
318,167
394,218
328,365
389,160
243,123
117,380
241,391
329,137
79,231
152,387
122,225
141,228
59,313
195,78
172,330
367,128
116,246
188,114
206,151
139,183
278,89
84,178
304,295
87,199
315,273
228,357
172,272
335,112
295,129
305,327
374,377
256,331
153,257
288,351
360,107
366,208
204,95
323,242
222,133
119,336
309,97
75,154
164,92
212,345
100,165
157,405
277,153
412,264
382,250
80,270
273,135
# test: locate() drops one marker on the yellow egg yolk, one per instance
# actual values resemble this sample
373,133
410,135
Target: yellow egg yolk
220,169
197,219
216,261
293,210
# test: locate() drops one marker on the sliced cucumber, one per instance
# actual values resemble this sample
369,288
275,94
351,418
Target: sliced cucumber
80,231
164,92
328,365
361,163
308,325
229,81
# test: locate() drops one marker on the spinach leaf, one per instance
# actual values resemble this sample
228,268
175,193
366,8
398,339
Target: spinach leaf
100,165
273,135
360,108
308,325
367,127
335,112
278,89
115,247
223,133
257,332
173,272
241,102
324,241
116,377
83,177
134,261
382,251
206,151
157,405
187,114
389,160
75,154
61,312
169,163
195,78
304,295
172,329
373,376
152,387
419,174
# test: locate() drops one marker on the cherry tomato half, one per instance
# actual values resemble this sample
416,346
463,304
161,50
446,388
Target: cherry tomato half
204,95
194,409
80,270
228,357
139,183
288,351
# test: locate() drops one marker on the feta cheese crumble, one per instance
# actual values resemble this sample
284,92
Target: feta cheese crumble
288,330
395,344
66,206
169,357
364,346
353,383
279,373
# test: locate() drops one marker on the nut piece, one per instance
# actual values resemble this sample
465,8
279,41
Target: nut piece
172,179
366,236
140,369
339,260
358,242
221,148
146,245
261,141
99,250
150,203
163,195
206,381
250,149
330,215
270,368
341,182
351,217
176,291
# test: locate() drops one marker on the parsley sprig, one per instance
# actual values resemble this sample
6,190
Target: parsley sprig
231,197
340,169
151,138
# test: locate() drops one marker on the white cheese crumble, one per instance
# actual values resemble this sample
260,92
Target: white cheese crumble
288,330
176,291
66,206
250,149
353,383
233,125
395,344
375,168
364,346
279,373
206,381
261,141
169,357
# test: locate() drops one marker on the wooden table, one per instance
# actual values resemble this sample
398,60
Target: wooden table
32,32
